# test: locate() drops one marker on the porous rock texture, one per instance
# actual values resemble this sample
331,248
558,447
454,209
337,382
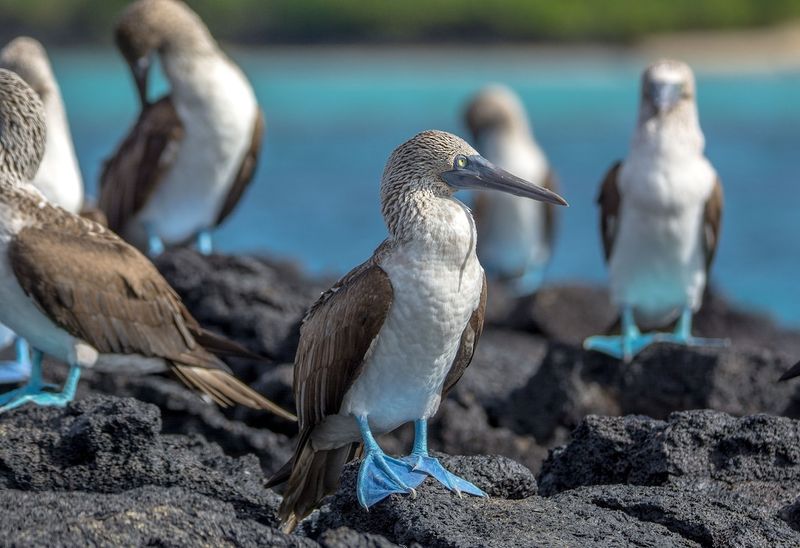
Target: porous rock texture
636,457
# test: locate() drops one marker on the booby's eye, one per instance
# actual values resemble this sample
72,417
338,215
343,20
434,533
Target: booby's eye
460,162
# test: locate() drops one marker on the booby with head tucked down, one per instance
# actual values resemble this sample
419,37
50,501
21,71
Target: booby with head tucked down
515,236
660,219
58,176
191,155
385,344
76,291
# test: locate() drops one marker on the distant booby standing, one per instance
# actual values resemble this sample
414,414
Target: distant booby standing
390,339
186,163
515,236
660,217
76,291
58,176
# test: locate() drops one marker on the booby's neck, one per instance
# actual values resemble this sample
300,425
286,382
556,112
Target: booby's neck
677,133
439,225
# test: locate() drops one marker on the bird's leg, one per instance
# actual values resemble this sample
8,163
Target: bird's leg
421,461
683,333
381,475
155,246
20,369
625,346
32,391
204,243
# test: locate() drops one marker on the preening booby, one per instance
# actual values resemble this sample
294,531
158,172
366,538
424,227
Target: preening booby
190,156
515,236
660,213
77,292
58,176
385,344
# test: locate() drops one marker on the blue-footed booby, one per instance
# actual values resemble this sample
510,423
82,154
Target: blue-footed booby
515,236
387,342
76,291
58,176
191,155
660,214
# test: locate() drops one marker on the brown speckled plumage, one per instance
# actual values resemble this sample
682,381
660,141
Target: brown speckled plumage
88,281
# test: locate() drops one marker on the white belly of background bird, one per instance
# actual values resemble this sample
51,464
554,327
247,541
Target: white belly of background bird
219,127
658,264
512,238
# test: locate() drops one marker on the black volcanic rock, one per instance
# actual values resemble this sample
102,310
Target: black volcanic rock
572,383
755,459
114,445
256,302
144,516
438,518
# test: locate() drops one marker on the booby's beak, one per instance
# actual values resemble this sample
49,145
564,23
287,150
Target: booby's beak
141,71
665,95
476,172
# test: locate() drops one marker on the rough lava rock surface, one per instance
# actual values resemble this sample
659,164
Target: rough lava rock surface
144,460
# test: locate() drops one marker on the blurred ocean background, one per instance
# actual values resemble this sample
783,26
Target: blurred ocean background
333,116
342,83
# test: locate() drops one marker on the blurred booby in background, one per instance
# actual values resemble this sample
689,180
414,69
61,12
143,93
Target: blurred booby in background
79,293
190,156
385,344
660,215
58,176
515,235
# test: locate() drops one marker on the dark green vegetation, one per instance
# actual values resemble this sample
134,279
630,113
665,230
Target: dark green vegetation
407,21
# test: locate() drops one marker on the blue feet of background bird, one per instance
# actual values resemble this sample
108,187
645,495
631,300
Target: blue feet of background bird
381,475
18,370
420,461
683,334
627,345
204,242
155,245
33,391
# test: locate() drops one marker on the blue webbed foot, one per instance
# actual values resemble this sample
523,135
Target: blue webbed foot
204,242
433,468
381,476
18,370
33,391
155,246
622,347
683,334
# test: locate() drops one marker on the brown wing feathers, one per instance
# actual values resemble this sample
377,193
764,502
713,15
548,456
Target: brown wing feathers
336,335
609,202
120,304
134,170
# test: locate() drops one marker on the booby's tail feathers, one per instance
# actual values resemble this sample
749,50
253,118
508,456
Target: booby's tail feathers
791,373
310,476
221,346
225,389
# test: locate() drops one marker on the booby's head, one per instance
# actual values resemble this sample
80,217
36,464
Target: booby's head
436,164
22,127
667,87
167,27
28,58
496,109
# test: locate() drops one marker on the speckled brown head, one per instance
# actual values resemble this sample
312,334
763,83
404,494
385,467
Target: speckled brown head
437,164
667,86
28,58
147,27
22,127
495,109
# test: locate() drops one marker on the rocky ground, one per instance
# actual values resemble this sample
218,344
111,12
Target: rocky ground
574,449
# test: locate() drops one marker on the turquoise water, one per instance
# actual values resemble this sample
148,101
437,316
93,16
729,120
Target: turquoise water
333,118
